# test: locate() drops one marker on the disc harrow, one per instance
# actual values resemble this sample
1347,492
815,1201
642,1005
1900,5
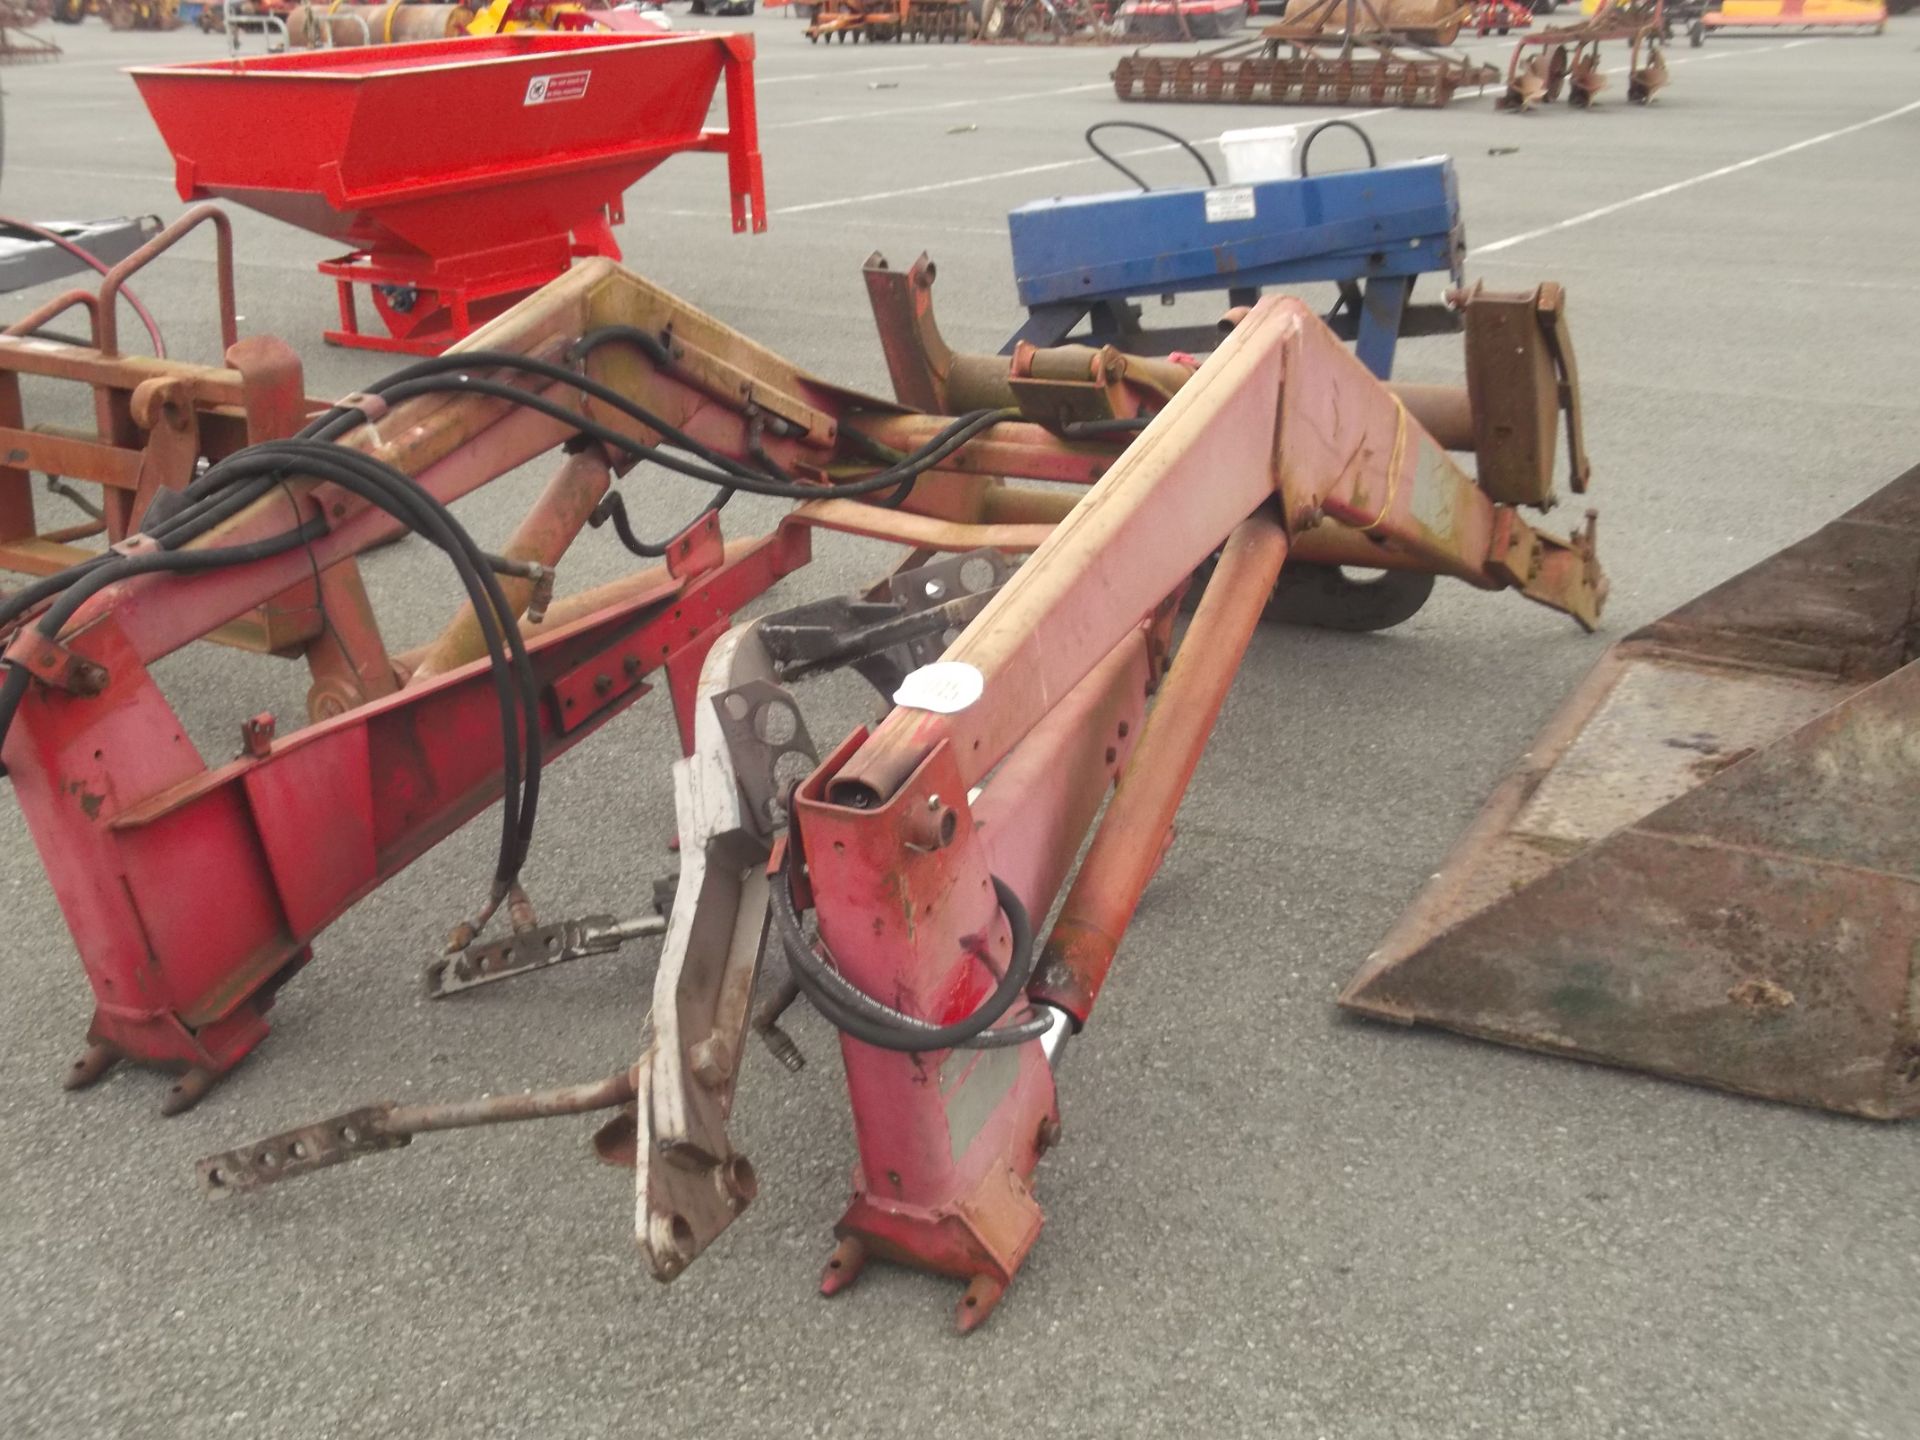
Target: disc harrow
1323,57
1305,77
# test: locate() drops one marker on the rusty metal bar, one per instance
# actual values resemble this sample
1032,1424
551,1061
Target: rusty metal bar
1128,846
1205,463
851,517
542,538
53,309
1035,811
109,319
387,1126
616,1089
1444,411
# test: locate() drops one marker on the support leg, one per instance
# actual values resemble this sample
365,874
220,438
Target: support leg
1382,305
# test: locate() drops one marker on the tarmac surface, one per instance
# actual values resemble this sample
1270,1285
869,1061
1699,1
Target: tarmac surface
1264,1219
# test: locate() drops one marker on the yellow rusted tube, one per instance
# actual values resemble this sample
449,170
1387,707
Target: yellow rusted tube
350,26
545,534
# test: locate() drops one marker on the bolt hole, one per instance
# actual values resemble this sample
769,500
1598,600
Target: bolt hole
972,1301
217,1178
776,723
741,1178
935,589
297,1151
1112,754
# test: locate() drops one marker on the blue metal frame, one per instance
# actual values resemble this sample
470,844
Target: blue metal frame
1372,231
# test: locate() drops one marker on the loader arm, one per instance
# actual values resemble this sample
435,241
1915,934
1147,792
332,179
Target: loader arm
1025,698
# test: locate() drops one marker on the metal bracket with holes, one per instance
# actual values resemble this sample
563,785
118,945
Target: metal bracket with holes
537,948
885,640
728,801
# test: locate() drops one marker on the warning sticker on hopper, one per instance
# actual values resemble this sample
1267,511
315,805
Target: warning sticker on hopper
551,89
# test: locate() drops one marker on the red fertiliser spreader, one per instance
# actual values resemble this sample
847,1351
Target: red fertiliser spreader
464,173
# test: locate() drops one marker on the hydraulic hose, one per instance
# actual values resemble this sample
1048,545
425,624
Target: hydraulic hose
850,1009
1113,160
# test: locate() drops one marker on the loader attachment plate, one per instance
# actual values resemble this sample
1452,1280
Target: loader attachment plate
1709,865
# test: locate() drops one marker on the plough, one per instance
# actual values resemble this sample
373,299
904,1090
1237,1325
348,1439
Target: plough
1334,52
1567,57
1030,644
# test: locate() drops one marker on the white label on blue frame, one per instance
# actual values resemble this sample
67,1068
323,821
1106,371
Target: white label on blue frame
1231,202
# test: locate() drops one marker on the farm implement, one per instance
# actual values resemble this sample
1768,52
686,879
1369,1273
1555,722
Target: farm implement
442,242
1811,16
1565,59
1333,52
1043,690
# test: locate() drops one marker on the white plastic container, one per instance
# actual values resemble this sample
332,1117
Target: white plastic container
1269,153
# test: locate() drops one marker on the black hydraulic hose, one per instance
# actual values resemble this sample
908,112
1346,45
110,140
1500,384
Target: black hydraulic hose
957,434
1306,143
1180,140
229,486
462,363
174,531
421,378
613,507
850,1009
125,567
400,496
240,478
874,450
94,578
1099,429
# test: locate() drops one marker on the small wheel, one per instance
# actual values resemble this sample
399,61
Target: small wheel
1330,598
1333,597
1696,35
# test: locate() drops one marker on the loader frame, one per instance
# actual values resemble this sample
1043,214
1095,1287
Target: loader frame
924,847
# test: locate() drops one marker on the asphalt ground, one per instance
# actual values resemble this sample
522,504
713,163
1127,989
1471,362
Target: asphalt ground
1264,1219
